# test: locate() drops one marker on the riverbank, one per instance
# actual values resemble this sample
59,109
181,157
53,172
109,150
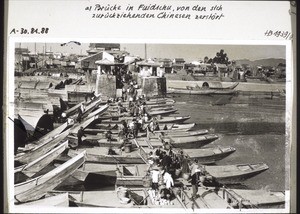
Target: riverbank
243,86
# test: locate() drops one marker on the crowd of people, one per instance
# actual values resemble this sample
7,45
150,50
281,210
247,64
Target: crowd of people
165,166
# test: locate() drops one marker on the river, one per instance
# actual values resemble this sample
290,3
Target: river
254,126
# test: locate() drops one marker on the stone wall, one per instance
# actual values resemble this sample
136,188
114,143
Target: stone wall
106,85
154,86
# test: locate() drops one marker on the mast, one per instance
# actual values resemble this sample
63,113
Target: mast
35,55
145,51
20,59
45,55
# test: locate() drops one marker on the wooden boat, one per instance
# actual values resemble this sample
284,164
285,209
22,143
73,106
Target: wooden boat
37,187
163,119
59,200
190,141
139,156
90,104
100,155
38,150
168,127
157,106
209,155
187,141
135,175
149,102
180,133
143,198
159,100
90,175
51,134
200,91
139,198
98,134
161,112
225,91
41,149
176,127
38,164
229,174
245,198
150,109
233,86
98,111
190,91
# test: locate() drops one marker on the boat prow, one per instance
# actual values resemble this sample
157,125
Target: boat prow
230,174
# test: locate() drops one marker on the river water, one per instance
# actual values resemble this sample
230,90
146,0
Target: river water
254,126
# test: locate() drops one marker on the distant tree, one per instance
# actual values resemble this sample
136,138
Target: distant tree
221,57
206,59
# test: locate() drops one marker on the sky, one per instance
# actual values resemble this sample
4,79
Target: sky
189,52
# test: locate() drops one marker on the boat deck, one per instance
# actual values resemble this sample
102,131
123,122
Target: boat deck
207,197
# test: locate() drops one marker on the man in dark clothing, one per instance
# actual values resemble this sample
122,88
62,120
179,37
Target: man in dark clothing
135,128
80,134
125,128
166,161
79,116
108,136
158,152
194,182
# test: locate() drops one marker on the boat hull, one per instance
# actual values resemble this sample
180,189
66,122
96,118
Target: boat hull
234,174
191,141
210,155
36,188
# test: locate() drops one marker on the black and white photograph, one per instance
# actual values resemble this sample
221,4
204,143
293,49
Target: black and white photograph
149,107
185,126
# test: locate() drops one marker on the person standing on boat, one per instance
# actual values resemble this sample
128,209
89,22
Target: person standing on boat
86,98
146,118
135,92
155,124
158,152
80,134
93,96
194,178
166,161
82,107
135,128
132,107
124,92
155,176
168,180
121,109
136,110
131,90
124,128
108,136
143,109
79,115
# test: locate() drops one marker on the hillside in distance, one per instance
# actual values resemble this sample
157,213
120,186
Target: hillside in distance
264,62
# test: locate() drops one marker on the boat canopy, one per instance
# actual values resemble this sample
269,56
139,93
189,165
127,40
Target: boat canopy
212,85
